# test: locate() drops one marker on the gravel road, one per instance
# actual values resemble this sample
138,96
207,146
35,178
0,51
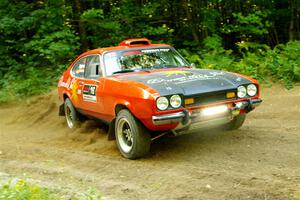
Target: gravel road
261,160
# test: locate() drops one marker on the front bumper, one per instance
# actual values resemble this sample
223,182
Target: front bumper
185,118
248,105
169,118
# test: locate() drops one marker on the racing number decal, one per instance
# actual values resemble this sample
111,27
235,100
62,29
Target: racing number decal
89,93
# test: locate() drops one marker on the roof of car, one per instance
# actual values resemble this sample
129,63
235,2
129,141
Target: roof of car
126,44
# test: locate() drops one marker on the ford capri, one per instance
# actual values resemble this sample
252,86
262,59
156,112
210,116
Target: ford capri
143,91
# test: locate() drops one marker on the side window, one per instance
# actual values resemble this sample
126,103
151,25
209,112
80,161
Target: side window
93,69
79,67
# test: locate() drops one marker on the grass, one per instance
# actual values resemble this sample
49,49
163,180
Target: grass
19,189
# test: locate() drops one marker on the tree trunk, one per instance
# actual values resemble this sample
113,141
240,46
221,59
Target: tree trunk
291,27
190,20
81,29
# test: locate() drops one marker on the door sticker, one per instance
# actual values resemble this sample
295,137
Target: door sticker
89,93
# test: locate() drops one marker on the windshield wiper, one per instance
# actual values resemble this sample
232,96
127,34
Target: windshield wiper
131,70
144,70
124,71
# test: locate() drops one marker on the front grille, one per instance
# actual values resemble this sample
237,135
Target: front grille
208,98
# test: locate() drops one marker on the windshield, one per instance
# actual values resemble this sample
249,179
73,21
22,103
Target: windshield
142,59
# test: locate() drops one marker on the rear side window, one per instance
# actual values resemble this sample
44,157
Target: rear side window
79,68
93,69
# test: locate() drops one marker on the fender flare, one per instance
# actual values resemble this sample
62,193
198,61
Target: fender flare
61,110
119,105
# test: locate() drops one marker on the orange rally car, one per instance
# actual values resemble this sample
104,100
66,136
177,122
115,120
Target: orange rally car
143,91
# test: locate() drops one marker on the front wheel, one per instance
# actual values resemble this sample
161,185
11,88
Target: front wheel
236,123
132,138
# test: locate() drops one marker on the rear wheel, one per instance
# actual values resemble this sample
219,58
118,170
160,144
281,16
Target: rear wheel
236,123
71,114
133,139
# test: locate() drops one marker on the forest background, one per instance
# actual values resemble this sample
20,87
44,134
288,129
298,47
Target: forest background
39,39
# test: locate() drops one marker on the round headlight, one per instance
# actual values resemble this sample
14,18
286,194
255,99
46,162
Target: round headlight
162,103
175,101
251,90
241,91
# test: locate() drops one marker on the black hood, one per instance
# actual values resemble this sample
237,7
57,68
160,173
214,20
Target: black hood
188,81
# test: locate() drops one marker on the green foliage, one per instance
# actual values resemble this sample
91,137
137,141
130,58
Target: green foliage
51,49
281,63
287,61
212,56
253,24
31,83
19,189
36,46
258,60
99,29
39,39
124,20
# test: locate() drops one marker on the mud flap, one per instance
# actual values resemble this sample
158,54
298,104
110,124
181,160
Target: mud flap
61,111
111,130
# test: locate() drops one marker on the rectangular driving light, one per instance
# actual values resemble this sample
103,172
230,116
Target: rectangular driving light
189,101
230,95
215,110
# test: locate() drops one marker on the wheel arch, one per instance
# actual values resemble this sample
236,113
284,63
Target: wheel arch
65,96
61,111
117,108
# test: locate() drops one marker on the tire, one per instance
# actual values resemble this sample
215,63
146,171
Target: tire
236,123
72,116
133,139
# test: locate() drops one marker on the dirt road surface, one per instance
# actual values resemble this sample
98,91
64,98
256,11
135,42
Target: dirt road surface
259,161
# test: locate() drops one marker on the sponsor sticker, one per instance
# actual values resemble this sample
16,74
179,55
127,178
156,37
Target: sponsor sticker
172,73
74,86
64,84
127,53
89,93
154,50
182,79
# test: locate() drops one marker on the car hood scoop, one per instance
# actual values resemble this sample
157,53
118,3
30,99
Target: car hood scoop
188,82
